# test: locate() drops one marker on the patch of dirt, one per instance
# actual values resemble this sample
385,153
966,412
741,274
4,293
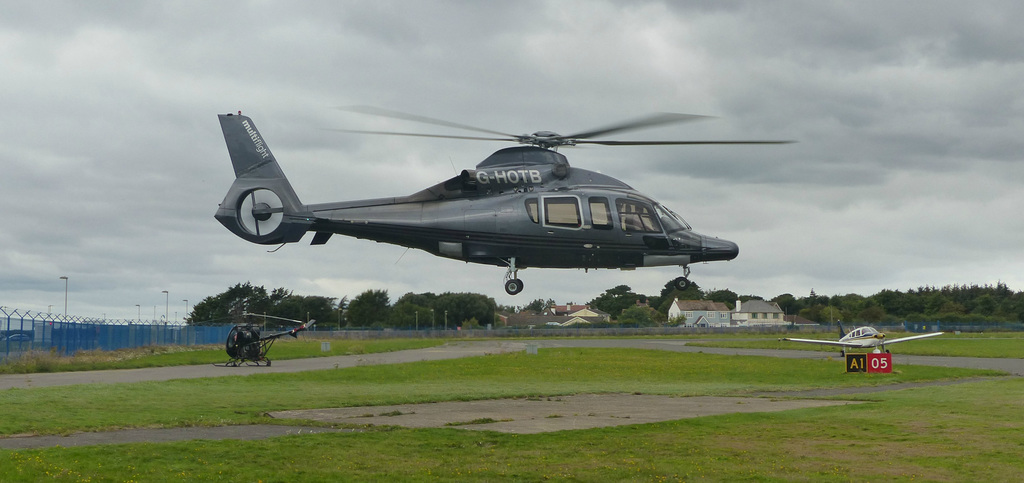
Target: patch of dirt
539,415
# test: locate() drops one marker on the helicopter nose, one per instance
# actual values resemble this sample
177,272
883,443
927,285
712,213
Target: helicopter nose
718,249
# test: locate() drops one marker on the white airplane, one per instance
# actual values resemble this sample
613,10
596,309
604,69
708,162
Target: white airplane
862,337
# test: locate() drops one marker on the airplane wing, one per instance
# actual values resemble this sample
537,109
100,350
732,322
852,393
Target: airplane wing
904,339
826,342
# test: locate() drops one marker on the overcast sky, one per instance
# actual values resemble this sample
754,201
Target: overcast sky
909,117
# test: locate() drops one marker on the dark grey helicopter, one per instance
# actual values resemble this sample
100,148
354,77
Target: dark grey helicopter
521,207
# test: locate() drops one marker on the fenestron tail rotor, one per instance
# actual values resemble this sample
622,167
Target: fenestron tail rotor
547,139
260,212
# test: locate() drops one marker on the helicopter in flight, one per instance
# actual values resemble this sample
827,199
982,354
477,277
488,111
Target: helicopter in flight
521,207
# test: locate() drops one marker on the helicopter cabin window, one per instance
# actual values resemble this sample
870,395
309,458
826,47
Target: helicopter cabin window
562,211
635,216
531,209
600,215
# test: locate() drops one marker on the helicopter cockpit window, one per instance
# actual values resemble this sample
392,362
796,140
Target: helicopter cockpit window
671,221
600,214
531,209
635,216
562,211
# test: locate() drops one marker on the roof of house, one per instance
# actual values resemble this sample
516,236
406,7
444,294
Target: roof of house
566,309
532,319
575,309
590,312
705,305
759,306
798,320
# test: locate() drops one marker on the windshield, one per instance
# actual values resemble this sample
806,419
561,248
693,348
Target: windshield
671,221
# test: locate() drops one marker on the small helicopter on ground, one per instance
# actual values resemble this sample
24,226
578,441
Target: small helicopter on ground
520,207
245,345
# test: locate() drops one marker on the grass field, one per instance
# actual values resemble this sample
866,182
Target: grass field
163,356
970,431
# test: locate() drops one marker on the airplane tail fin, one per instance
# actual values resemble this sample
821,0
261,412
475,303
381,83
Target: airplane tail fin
842,333
261,205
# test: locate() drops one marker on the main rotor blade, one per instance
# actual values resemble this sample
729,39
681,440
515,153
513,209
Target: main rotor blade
644,122
445,136
376,111
668,143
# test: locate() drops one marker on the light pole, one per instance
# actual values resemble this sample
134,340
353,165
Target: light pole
65,279
186,309
445,320
167,305
140,312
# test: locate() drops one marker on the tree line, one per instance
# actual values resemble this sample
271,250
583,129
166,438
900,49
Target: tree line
374,308
369,309
950,303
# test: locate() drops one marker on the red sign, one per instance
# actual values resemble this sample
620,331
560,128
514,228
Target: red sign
879,362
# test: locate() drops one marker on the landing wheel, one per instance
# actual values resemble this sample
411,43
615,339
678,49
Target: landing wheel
512,283
513,286
681,283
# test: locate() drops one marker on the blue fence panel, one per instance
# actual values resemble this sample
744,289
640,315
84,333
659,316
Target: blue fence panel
22,332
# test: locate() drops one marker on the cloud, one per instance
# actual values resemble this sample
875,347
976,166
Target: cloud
906,172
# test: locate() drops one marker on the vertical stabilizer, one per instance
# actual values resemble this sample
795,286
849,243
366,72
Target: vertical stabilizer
261,205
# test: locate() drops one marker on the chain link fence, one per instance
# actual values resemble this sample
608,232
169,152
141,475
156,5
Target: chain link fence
22,332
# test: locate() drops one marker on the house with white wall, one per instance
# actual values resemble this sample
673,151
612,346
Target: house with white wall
700,313
758,312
